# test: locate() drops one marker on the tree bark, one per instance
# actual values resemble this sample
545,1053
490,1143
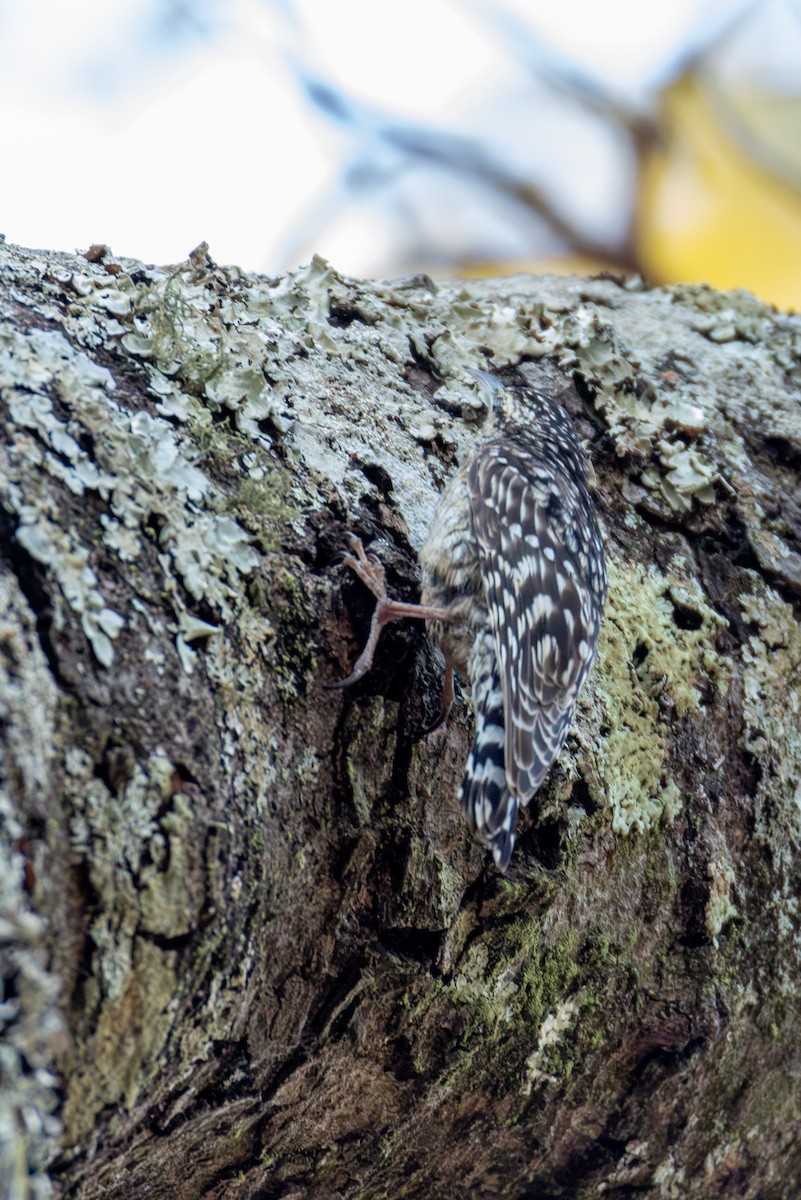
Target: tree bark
249,949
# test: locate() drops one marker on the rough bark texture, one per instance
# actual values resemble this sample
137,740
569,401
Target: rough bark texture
248,948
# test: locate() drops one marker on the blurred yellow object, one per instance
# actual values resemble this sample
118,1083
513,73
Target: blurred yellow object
717,202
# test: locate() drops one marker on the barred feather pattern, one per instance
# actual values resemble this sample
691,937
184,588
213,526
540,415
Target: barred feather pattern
515,553
489,804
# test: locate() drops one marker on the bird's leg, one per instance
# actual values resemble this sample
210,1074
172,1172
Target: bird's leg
386,611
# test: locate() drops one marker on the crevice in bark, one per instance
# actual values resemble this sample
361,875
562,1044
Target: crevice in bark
33,583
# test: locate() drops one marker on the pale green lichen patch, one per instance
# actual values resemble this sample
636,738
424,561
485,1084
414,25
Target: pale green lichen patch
720,907
772,716
146,826
130,1032
649,669
656,426
372,744
553,1027
687,438
151,829
68,561
32,1030
138,466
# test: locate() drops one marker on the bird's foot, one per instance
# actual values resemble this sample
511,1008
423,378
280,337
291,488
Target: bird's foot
370,571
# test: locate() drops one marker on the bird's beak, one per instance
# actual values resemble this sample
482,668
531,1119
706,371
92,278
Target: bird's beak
489,385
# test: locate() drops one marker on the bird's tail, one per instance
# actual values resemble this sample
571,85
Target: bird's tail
489,806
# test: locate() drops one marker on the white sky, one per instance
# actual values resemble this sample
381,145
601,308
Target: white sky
110,137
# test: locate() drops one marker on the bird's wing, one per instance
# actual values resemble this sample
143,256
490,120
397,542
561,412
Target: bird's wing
541,611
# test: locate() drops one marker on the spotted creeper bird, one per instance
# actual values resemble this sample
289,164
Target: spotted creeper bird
514,584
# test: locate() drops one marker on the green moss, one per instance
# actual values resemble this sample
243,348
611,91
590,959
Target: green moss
269,500
510,985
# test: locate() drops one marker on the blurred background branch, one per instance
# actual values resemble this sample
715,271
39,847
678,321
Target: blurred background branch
452,136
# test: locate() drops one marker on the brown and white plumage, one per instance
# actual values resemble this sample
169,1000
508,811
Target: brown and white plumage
515,557
514,583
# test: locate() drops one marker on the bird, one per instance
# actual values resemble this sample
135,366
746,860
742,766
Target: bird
514,583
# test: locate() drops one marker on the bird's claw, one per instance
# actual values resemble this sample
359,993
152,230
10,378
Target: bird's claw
367,567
